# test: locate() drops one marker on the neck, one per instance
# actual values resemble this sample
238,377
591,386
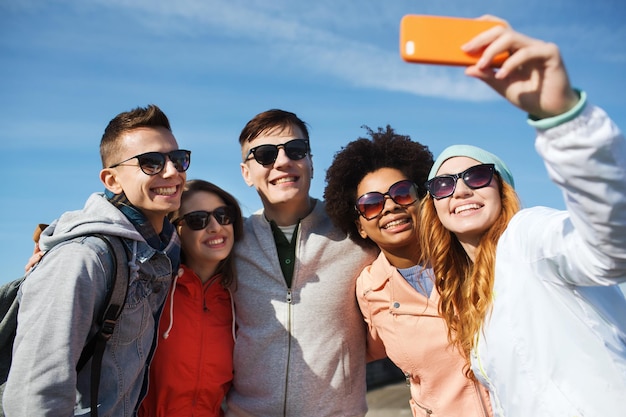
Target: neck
204,270
404,257
288,213
157,223
470,247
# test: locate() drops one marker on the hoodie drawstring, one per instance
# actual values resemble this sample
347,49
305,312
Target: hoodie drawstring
132,263
166,334
232,308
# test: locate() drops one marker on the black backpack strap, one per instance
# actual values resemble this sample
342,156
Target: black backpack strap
114,306
8,324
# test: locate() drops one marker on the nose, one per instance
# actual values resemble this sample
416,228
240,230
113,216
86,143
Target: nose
388,204
213,225
461,189
281,158
169,169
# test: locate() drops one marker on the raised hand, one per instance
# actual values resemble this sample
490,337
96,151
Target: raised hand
533,78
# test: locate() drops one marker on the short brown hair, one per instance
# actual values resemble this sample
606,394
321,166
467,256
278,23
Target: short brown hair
150,116
268,120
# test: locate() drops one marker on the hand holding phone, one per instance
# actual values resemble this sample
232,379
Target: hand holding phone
438,39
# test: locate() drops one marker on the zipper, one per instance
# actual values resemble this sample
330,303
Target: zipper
288,298
204,318
427,411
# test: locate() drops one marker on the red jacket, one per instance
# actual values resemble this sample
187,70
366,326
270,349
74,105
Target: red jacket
192,367
406,326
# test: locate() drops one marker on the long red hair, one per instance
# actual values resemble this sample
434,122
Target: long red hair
465,287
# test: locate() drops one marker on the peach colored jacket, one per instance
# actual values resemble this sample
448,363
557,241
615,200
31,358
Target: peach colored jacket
405,326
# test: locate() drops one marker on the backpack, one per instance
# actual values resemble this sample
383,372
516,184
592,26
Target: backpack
114,305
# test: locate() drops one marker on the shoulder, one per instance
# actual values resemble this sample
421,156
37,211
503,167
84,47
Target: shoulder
82,258
376,273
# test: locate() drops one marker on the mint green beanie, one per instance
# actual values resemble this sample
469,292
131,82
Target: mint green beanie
476,153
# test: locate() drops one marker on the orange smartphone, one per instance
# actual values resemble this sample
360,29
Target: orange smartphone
438,39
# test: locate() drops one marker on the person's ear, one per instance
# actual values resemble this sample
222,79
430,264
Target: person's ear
359,228
245,173
108,176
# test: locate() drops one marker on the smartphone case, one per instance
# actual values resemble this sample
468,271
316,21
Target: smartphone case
438,39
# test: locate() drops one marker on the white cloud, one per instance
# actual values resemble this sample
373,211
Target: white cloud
313,39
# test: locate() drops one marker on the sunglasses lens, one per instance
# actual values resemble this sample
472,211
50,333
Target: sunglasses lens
223,215
403,193
265,154
296,149
441,187
197,220
478,176
151,163
181,159
370,205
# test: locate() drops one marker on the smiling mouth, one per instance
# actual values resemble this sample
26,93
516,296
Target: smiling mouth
467,207
284,180
396,223
165,191
217,241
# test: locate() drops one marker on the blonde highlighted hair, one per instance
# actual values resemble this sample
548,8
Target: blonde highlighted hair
465,287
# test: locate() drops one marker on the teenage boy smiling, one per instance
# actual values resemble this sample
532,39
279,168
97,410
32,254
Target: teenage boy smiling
300,347
143,173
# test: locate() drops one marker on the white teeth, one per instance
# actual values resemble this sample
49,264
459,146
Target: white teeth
395,223
283,180
165,190
466,207
216,241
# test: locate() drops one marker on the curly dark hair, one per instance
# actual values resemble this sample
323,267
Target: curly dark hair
385,149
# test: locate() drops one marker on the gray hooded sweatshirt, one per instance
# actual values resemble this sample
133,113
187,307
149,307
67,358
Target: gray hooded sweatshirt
300,351
61,299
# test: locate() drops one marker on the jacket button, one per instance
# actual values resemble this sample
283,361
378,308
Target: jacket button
396,304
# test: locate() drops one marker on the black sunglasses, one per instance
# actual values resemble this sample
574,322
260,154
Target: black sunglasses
475,177
295,149
198,220
151,163
371,204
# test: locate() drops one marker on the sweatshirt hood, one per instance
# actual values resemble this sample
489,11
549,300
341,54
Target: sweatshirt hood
97,216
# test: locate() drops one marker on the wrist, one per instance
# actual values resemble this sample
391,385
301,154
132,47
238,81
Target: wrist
575,105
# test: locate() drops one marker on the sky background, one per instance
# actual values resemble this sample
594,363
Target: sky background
69,66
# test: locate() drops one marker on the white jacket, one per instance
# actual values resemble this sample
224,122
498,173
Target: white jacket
555,342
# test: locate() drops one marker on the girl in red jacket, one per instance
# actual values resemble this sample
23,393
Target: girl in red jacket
192,367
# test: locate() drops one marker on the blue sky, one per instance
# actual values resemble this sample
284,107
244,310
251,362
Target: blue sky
69,66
